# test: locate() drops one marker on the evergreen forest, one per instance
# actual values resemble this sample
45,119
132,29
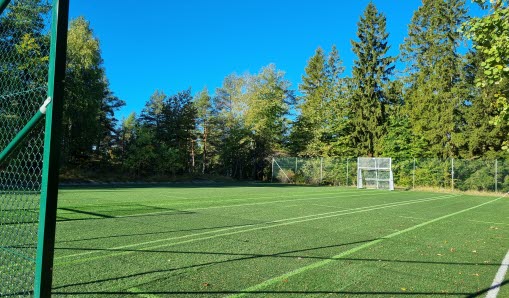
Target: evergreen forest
445,95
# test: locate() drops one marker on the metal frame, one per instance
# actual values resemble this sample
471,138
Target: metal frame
52,140
376,168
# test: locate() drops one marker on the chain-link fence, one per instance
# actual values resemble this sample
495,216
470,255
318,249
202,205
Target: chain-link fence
411,173
24,64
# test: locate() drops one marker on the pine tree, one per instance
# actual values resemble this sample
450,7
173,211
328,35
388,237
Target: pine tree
204,123
89,102
337,126
308,128
372,70
269,101
433,64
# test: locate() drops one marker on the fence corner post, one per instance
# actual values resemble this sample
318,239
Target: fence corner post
413,176
452,174
496,175
272,172
321,170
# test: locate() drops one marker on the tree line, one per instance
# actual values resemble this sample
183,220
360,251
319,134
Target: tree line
435,99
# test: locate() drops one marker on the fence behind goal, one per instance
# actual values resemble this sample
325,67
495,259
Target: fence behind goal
457,174
32,66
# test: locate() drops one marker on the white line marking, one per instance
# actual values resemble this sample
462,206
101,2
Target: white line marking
328,206
319,264
499,278
290,198
490,222
247,204
411,217
251,227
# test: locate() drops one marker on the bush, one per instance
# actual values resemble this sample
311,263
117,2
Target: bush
286,176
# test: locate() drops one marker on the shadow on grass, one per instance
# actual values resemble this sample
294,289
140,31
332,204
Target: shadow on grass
116,186
99,216
143,234
243,257
279,255
303,293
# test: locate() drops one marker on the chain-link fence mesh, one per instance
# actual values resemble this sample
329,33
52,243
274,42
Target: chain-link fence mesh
24,52
327,170
454,174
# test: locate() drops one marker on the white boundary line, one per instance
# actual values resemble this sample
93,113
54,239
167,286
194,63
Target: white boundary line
319,264
499,278
250,227
246,204
288,198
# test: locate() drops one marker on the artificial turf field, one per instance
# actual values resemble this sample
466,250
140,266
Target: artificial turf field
277,241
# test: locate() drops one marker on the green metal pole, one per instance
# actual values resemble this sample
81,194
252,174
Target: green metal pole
52,140
3,5
22,134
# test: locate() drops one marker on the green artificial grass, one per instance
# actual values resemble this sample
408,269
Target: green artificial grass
277,241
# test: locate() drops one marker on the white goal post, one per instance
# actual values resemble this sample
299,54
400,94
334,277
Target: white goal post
375,172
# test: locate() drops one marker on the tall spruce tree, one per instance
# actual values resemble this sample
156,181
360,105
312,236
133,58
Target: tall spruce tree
337,126
204,123
308,128
433,65
371,71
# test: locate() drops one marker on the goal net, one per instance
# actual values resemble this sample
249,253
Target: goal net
375,173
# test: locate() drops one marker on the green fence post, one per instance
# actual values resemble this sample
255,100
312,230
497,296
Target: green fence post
49,190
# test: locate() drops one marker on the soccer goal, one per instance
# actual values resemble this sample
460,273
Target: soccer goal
33,38
375,173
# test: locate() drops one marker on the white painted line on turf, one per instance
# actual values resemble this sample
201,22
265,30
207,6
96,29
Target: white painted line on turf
247,204
490,222
278,223
288,206
275,221
411,217
499,278
328,206
340,194
347,253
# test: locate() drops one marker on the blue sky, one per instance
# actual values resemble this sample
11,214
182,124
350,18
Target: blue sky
172,45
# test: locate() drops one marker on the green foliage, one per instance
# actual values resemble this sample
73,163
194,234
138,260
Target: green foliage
490,36
89,125
433,67
205,128
287,176
371,71
323,125
479,132
166,132
445,105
